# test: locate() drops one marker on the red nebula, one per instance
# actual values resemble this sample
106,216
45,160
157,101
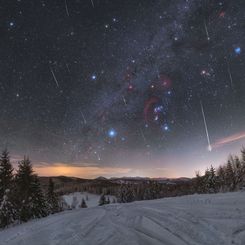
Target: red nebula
165,81
161,82
222,14
130,87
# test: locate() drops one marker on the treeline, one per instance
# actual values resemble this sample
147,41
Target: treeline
227,177
153,190
21,196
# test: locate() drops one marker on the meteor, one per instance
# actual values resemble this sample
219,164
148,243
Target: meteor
67,11
206,127
229,72
92,2
56,81
84,119
142,134
229,139
124,100
206,30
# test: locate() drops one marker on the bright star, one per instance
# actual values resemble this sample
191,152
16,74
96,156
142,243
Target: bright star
237,50
165,127
93,77
112,133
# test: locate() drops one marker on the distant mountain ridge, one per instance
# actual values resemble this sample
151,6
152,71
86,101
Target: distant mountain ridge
65,181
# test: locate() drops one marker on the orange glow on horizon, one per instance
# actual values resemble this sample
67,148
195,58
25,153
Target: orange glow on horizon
90,172
79,171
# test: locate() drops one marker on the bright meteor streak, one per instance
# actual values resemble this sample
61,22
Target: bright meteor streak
229,139
206,127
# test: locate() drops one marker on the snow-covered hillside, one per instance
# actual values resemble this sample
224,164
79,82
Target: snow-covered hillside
198,219
92,200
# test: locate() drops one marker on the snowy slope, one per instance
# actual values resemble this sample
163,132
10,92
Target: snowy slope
198,219
92,200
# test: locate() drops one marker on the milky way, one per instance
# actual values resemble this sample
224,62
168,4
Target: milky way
119,83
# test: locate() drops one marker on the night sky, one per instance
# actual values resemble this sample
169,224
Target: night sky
122,87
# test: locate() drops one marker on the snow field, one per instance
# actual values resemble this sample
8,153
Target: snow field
211,219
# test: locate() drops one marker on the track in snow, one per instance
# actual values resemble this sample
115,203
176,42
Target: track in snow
197,219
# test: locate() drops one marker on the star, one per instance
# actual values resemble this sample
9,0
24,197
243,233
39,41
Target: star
112,133
93,77
237,50
130,87
165,127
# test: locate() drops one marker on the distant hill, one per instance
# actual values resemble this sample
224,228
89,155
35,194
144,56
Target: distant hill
136,180
65,185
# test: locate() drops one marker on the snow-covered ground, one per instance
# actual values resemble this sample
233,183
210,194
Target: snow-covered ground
91,200
197,219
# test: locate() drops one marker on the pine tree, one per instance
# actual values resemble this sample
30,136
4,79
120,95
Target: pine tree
102,200
243,154
199,183
108,200
83,204
229,175
127,194
39,207
221,178
212,180
206,180
74,202
6,173
24,178
238,173
30,199
7,210
243,166
52,198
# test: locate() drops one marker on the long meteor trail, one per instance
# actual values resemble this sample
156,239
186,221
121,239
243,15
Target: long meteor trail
206,127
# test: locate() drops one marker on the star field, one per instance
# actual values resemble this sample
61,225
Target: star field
122,83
